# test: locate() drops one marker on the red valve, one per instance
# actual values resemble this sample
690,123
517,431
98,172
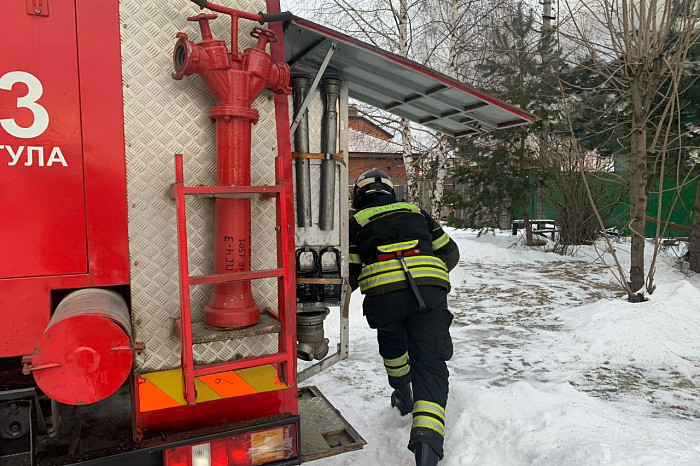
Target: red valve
203,21
235,80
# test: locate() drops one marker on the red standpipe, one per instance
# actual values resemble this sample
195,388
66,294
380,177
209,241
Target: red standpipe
235,80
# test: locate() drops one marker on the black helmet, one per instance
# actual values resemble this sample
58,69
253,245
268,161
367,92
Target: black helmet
372,181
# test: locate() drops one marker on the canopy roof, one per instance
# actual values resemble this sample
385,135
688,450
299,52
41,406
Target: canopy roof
398,85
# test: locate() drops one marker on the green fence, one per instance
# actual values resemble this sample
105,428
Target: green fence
676,206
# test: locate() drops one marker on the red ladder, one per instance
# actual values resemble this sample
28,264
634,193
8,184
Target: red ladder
283,191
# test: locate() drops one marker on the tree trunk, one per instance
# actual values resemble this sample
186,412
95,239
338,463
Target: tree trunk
412,194
440,175
526,216
638,189
444,146
408,163
694,247
523,194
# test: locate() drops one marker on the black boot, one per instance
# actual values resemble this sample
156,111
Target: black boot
425,455
402,398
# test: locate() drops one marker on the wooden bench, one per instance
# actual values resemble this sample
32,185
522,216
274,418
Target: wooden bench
540,226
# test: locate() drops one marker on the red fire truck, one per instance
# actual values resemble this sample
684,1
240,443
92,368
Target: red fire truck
166,257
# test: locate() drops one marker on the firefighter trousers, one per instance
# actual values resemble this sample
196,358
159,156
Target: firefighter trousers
415,346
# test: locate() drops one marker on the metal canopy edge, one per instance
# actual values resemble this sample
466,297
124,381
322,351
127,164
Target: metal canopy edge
398,85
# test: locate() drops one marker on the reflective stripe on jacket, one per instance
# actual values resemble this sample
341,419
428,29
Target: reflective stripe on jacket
386,272
379,233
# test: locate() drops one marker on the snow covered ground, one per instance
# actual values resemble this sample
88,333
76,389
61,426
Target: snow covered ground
551,365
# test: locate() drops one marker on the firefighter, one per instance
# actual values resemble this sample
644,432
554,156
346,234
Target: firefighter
400,258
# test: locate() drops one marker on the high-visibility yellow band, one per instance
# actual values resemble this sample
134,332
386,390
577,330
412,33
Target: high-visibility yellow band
400,361
429,423
386,272
364,216
429,407
385,266
394,264
398,276
398,246
441,241
398,372
355,259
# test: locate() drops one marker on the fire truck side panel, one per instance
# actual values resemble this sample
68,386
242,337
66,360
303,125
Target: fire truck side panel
164,117
65,208
41,156
99,54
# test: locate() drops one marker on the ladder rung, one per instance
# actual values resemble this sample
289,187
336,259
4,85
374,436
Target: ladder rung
239,364
231,189
225,191
235,276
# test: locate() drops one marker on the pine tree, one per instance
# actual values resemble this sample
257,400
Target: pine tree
499,169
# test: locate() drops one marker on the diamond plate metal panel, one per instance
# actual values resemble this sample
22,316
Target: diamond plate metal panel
164,117
324,431
235,349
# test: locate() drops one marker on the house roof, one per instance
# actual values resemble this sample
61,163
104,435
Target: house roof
376,155
360,141
360,123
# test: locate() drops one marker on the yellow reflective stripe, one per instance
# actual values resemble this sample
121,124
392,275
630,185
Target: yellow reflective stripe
429,407
400,372
398,246
386,272
397,275
421,272
389,277
425,260
393,277
378,267
394,264
429,423
368,274
355,259
441,241
400,361
363,217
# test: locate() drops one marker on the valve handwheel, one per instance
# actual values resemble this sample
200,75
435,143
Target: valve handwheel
258,31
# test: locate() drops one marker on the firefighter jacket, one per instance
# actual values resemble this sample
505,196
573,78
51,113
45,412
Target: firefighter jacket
378,234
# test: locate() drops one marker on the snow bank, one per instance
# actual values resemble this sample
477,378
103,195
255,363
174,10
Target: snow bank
526,424
665,331
500,248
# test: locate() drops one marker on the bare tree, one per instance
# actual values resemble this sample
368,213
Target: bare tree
408,163
454,26
444,145
448,35
388,24
641,53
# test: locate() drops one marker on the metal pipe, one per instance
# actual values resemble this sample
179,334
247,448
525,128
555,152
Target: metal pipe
300,89
235,80
317,78
330,91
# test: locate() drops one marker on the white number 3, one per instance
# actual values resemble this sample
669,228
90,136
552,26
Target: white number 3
35,89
